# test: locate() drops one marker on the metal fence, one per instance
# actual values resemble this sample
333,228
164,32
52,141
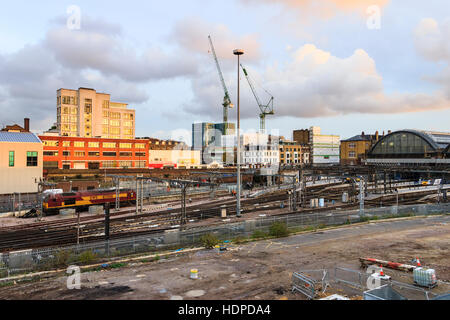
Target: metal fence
48,258
18,202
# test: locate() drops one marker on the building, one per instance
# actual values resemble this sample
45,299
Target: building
293,153
21,161
325,149
411,147
94,153
259,150
17,128
86,113
354,150
302,136
207,138
159,159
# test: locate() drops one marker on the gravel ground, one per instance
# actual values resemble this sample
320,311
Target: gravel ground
262,270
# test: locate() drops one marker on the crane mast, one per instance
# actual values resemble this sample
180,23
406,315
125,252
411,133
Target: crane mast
266,109
226,100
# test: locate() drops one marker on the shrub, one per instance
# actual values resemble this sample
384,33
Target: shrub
278,230
156,258
87,257
259,234
61,258
209,241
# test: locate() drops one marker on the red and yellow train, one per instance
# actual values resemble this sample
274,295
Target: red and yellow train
81,200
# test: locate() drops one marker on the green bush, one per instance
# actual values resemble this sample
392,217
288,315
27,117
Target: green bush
209,241
87,257
62,258
278,230
257,234
156,258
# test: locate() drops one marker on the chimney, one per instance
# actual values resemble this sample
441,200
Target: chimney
363,134
389,132
377,135
26,124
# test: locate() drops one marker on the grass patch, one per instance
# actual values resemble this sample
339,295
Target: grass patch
87,257
258,234
209,241
278,230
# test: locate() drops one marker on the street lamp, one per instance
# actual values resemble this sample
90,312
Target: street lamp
238,53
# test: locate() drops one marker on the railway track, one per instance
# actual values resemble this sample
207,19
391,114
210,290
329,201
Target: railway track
122,224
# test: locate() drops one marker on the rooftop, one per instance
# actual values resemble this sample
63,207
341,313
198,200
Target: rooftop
18,137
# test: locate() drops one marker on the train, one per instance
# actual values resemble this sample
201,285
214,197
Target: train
54,202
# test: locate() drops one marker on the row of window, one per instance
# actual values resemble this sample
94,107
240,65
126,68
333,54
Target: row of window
91,154
93,144
32,159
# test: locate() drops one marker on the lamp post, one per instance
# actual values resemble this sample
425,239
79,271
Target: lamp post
238,53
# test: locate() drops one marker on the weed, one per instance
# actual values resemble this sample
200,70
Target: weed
209,241
278,230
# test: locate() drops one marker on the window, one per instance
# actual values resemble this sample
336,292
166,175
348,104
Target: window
94,154
32,159
139,145
94,144
66,153
109,145
126,154
352,154
109,154
115,123
51,153
79,144
352,145
126,145
11,158
141,154
114,131
128,131
106,104
79,154
66,143
51,143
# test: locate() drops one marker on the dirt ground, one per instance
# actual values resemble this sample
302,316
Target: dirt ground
262,270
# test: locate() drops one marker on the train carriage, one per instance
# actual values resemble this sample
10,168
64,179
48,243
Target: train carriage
82,200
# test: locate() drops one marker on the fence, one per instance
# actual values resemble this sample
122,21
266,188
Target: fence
43,259
16,202
304,283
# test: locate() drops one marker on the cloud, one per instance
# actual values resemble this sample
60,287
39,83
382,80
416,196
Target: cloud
191,34
107,53
323,9
314,83
432,42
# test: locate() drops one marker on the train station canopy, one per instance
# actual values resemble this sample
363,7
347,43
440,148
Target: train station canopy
411,144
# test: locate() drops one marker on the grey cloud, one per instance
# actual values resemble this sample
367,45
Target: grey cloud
316,84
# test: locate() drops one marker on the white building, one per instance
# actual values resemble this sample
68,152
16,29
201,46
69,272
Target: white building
325,149
259,149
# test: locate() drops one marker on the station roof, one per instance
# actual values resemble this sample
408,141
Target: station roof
19,137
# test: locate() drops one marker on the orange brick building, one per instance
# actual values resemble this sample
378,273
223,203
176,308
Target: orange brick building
94,153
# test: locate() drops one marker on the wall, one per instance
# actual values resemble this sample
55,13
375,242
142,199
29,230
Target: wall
19,178
159,158
360,148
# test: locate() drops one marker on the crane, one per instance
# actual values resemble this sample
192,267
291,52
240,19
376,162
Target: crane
226,100
266,109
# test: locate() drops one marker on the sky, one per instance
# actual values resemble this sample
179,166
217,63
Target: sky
347,66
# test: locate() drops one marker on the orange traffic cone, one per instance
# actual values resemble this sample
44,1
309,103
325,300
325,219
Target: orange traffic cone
418,262
381,271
